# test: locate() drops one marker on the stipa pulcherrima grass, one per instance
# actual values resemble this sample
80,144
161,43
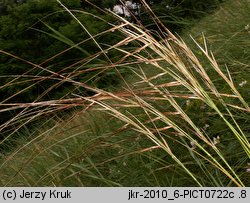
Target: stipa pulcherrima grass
180,63
179,76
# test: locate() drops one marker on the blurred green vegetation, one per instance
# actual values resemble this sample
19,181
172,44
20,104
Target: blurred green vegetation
36,31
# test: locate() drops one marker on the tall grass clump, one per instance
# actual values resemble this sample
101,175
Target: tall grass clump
152,130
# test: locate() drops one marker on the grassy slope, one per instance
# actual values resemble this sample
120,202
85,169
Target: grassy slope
90,150
227,33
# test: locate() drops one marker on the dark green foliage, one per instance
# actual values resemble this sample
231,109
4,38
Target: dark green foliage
36,31
27,32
